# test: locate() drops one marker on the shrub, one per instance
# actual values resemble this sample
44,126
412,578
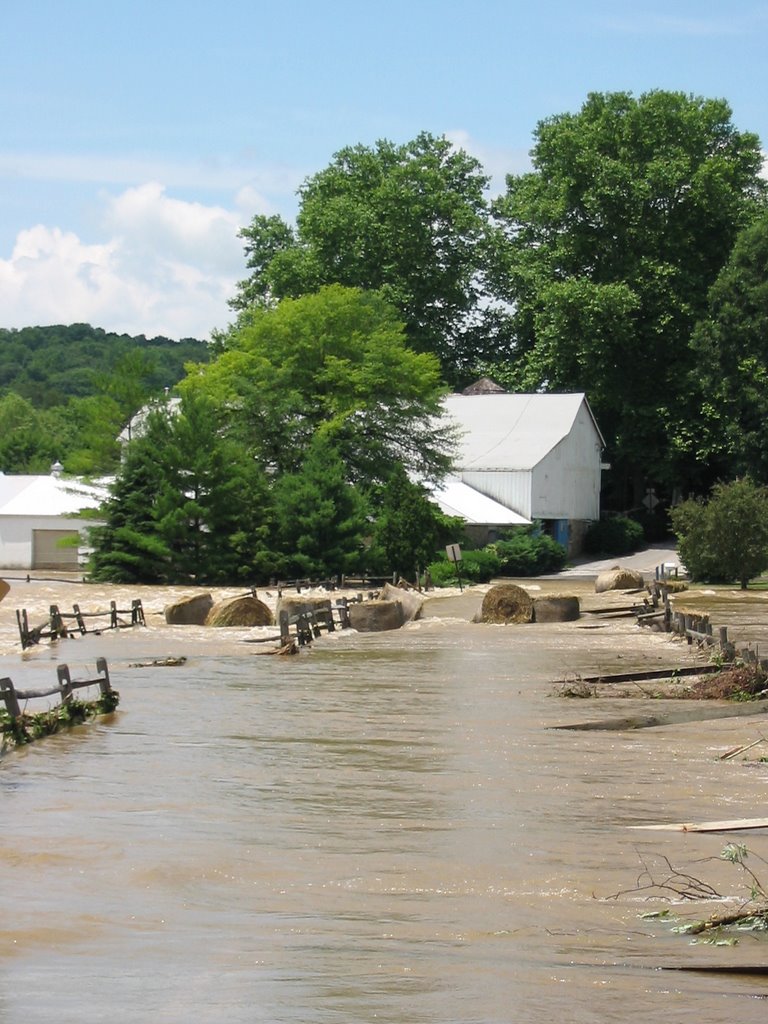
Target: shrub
618,535
526,553
443,573
480,566
725,538
476,567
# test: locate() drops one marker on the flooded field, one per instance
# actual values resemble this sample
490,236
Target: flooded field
386,827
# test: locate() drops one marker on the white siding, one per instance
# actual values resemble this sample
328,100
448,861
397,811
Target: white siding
16,534
512,488
566,483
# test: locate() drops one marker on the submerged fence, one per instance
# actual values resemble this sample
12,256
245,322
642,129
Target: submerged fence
17,726
60,625
694,627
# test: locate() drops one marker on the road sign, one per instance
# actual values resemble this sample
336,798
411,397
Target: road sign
650,500
454,552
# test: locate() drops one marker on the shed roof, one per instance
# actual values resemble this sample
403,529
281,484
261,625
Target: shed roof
512,432
23,495
456,498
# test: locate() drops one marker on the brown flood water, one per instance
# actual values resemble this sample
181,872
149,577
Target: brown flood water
383,828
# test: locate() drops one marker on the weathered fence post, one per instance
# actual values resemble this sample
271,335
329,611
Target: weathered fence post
8,694
58,627
285,628
105,684
65,682
79,618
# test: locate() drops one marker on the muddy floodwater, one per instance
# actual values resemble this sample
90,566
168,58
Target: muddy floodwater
385,828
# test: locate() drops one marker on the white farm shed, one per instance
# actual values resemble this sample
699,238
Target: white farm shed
537,455
39,523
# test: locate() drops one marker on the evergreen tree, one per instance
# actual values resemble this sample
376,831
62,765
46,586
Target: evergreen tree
129,547
409,525
319,517
187,504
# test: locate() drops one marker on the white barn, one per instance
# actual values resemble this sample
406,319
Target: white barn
39,523
538,456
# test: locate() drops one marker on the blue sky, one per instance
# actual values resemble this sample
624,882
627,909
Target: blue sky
138,137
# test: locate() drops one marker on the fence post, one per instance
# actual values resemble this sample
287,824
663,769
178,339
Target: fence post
58,628
79,618
343,606
65,682
104,683
285,628
8,694
23,624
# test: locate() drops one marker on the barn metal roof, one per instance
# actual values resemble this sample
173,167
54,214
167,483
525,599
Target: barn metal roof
23,495
456,498
512,432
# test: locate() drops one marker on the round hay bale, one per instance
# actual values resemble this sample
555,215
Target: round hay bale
507,603
556,608
619,579
189,611
240,611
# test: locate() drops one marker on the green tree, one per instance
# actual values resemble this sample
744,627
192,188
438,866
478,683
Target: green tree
187,504
406,220
128,382
606,252
335,364
731,362
408,527
25,445
212,508
320,518
725,538
128,548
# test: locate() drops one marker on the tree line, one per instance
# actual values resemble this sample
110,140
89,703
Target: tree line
629,263
66,392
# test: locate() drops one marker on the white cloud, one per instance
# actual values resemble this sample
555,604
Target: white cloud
165,266
496,161
149,222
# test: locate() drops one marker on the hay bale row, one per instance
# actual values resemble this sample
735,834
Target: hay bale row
199,610
508,604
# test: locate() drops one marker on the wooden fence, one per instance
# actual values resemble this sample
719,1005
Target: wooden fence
309,625
696,628
60,625
64,688
333,583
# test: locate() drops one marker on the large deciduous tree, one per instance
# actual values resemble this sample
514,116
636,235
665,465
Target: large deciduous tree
606,252
408,220
730,347
333,364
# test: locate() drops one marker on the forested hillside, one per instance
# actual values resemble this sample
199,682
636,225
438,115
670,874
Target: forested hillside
50,365
67,392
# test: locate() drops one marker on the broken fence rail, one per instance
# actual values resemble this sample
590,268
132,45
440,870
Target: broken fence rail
309,625
56,625
64,688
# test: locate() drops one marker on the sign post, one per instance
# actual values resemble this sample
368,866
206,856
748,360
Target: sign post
454,555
